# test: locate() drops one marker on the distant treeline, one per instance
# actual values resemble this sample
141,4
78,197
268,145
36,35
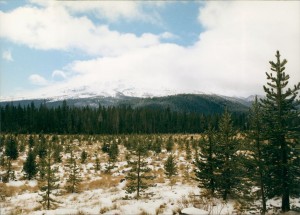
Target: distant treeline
106,120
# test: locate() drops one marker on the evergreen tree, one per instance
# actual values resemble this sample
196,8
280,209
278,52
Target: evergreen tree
255,135
170,168
170,144
228,179
74,175
9,173
41,147
11,148
2,141
282,133
42,167
30,166
113,152
57,152
83,156
206,162
157,145
188,151
138,176
31,141
49,184
97,163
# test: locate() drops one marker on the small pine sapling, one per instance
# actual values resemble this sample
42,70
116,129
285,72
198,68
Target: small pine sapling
171,169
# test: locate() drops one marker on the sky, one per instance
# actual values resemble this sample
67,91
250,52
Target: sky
144,48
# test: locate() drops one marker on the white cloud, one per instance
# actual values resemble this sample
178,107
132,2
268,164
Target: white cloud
54,28
230,57
112,11
37,80
59,74
6,55
242,37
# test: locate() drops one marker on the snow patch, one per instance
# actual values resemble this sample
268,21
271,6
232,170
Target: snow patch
194,211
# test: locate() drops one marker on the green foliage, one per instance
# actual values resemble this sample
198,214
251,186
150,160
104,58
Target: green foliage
170,166
49,183
281,130
74,178
170,144
42,167
255,140
188,151
30,165
139,174
83,156
2,141
9,173
41,146
227,158
11,148
206,164
186,114
31,141
157,145
97,163
113,151
57,152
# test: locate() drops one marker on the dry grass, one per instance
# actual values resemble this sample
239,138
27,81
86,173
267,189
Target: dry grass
159,176
8,191
107,181
106,209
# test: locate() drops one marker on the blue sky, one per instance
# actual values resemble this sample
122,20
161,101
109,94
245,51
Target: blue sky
53,48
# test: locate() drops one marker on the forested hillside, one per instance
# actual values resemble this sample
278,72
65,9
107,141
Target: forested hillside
106,120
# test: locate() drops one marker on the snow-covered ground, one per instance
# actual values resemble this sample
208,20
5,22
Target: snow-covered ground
102,193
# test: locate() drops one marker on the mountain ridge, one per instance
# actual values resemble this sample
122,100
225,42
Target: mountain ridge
197,103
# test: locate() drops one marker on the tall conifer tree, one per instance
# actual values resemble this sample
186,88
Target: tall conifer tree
74,176
206,162
257,146
226,157
49,184
138,176
30,166
282,134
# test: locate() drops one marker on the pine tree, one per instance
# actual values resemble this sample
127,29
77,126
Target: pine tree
113,151
282,134
56,154
42,167
30,166
31,141
41,147
170,144
9,173
255,135
226,157
157,145
97,163
206,162
74,175
170,168
138,176
188,151
49,184
11,148
83,156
